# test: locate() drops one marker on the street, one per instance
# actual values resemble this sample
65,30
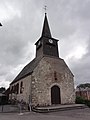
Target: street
78,114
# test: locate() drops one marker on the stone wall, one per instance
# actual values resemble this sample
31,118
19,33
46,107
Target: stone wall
49,72
25,95
43,78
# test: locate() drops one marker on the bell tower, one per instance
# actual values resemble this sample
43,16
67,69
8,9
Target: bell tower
46,45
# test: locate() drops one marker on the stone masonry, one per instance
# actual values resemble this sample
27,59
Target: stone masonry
43,79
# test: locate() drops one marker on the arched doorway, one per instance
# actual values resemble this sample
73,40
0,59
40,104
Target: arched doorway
55,95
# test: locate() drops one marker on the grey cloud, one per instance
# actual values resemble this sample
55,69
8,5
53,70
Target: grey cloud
81,67
69,21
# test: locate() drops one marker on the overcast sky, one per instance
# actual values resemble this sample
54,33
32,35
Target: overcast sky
22,21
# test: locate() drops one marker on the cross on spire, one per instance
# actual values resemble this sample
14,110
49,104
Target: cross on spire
45,8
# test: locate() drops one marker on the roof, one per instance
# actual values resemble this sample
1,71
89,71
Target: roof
27,70
6,92
82,89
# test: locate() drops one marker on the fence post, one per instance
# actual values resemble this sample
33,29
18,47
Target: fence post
2,108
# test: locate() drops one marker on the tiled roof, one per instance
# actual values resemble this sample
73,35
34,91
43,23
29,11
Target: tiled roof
27,70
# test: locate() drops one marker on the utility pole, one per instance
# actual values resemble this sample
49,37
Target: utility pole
1,96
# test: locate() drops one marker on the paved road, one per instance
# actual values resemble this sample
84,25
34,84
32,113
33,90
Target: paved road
79,114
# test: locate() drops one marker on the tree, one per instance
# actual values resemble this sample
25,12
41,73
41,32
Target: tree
84,85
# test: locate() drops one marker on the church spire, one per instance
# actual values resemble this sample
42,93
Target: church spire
46,30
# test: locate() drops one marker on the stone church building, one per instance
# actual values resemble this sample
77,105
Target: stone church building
46,80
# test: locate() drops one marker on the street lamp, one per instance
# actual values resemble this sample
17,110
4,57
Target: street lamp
0,24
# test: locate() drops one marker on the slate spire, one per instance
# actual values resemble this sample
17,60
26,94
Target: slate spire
46,30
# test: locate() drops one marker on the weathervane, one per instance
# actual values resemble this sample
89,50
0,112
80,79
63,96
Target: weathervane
45,8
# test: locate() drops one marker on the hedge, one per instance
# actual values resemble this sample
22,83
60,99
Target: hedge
80,100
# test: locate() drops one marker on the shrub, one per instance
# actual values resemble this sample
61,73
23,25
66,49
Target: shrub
80,100
87,102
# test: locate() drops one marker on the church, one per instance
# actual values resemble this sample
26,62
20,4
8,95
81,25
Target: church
47,79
